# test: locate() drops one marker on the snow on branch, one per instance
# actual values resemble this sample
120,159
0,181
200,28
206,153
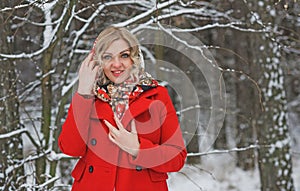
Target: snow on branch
41,186
232,25
101,6
35,23
145,14
22,162
269,30
49,33
189,45
183,4
53,156
13,133
30,87
169,31
67,88
88,22
278,145
5,9
226,151
19,132
114,3
195,107
167,16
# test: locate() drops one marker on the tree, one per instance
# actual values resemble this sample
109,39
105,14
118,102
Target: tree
275,160
11,147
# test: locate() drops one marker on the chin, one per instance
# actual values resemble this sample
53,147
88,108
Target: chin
118,81
121,79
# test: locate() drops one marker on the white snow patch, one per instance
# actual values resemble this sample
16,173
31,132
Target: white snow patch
191,178
254,17
273,12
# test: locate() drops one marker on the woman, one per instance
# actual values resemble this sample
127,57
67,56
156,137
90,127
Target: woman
121,123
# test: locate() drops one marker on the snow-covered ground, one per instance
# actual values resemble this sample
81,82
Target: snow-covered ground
224,177
192,179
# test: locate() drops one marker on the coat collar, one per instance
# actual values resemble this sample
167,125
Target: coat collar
138,106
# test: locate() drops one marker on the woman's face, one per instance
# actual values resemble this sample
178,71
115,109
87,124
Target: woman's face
117,61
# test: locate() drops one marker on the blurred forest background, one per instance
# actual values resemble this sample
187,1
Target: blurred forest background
255,45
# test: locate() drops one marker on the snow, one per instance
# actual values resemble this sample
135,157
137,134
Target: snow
281,143
296,173
192,178
67,88
261,3
146,13
48,22
198,178
254,18
13,133
273,12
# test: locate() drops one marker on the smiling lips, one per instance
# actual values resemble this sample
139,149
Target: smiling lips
117,73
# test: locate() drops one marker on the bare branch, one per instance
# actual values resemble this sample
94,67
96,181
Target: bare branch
13,133
147,13
226,151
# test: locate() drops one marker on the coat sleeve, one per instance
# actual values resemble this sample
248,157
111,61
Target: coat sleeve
170,154
74,133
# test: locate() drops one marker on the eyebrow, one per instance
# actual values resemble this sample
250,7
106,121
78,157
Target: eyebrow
119,52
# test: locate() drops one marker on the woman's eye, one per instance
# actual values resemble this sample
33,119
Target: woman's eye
125,55
106,57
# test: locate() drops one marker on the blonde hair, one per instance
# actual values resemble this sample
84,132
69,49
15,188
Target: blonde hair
104,40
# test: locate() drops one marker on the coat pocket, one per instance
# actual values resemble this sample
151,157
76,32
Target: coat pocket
78,171
157,176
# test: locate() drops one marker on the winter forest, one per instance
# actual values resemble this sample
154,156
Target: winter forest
230,67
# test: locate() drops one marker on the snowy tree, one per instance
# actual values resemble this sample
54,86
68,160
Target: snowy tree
11,144
275,159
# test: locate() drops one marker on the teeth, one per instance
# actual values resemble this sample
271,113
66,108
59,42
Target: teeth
117,72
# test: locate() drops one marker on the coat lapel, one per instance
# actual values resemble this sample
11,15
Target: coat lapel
102,110
138,106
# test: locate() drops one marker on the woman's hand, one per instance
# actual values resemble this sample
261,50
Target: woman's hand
87,75
126,140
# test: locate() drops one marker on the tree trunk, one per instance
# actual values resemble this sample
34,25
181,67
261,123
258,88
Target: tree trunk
47,96
275,159
11,148
246,100
46,112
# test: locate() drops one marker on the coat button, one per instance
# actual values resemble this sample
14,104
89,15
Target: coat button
91,169
138,168
93,142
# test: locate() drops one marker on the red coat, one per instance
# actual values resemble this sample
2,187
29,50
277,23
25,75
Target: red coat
103,166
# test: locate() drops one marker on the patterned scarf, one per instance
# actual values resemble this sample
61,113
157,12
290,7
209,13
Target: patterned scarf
119,95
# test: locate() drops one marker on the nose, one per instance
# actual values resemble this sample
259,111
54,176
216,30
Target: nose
116,62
